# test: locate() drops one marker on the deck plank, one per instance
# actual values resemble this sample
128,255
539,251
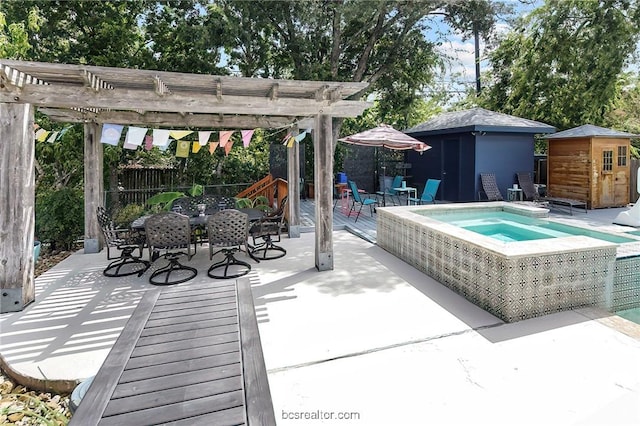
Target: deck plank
189,355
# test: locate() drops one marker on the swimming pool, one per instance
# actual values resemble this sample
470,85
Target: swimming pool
510,227
514,270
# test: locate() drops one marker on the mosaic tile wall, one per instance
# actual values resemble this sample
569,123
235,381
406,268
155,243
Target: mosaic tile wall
512,288
626,287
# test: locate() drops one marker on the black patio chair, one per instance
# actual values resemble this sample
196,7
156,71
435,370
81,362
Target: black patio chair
170,231
228,230
528,188
125,240
490,187
266,232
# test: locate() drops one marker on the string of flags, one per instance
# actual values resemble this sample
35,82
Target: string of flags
161,138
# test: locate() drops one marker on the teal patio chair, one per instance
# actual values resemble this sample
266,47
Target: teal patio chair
356,198
389,192
429,193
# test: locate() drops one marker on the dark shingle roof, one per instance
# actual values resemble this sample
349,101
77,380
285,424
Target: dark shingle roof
479,119
589,130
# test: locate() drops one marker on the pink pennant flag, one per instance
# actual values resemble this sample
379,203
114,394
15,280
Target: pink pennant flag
148,142
212,146
203,138
224,137
227,147
286,139
246,137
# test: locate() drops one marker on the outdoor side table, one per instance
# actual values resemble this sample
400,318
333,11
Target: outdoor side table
408,190
514,194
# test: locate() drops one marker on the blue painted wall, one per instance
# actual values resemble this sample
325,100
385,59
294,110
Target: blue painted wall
458,159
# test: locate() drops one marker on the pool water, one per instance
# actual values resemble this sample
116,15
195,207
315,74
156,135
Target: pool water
510,227
630,314
634,232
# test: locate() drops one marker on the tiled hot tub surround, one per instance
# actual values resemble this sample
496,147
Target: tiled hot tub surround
516,280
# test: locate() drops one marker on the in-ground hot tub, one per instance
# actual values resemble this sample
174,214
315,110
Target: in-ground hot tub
511,260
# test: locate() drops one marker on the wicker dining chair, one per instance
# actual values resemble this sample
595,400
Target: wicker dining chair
228,231
266,232
125,240
170,231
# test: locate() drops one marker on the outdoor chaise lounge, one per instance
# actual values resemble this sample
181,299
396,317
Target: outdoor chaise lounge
529,189
490,187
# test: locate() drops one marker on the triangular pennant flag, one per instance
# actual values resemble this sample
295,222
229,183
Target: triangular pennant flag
179,134
286,139
246,137
110,133
212,146
227,147
53,137
41,135
203,138
66,129
224,137
134,138
163,148
195,147
182,148
148,143
160,137
291,142
301,136
36,126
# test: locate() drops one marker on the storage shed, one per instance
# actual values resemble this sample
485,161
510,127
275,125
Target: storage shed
591,164
469,142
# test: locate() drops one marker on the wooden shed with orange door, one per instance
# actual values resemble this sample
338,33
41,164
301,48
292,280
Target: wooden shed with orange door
590,164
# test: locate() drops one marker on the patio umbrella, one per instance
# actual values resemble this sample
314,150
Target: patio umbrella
387,137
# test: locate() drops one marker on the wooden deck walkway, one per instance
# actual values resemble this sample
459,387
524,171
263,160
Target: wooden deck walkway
189,355
365,227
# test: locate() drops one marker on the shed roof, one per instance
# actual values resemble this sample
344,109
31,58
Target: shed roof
589,131
477,120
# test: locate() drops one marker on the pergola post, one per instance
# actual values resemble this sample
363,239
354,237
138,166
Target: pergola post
17,206
293,179
323,183
93,187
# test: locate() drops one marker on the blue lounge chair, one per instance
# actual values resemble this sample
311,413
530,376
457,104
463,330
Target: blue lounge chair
429,193
356,198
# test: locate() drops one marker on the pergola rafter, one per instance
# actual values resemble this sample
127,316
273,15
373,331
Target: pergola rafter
96,95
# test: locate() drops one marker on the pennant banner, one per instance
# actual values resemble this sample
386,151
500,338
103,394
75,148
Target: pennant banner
195,147
179,134
182,148
161,138
285,141
203,138
227,147
212,146
246,137
291,142
224,137
53,137
134,138
110,133
301,136
41,135
148,143
164,148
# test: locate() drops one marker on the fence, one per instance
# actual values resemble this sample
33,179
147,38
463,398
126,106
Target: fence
122,197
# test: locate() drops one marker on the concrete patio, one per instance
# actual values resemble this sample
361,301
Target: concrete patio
372,342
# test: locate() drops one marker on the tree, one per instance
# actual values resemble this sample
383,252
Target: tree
14,37
561,64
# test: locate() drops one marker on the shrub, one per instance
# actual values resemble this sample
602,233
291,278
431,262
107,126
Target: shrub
60,217
128,214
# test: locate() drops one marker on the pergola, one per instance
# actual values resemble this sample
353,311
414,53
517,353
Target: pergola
96,95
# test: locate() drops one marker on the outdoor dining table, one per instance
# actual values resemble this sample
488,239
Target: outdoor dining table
199,221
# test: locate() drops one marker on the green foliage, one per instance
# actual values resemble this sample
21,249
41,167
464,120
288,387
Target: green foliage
164,199
558,65
128,214
60,216
196,190
260,202
14,37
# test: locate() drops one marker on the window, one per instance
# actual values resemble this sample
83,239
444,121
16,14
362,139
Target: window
607,161
622,156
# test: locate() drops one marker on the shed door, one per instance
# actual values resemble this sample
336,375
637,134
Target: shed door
614,176
450,170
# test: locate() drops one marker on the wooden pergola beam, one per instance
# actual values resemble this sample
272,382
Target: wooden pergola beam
127,100
168,119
